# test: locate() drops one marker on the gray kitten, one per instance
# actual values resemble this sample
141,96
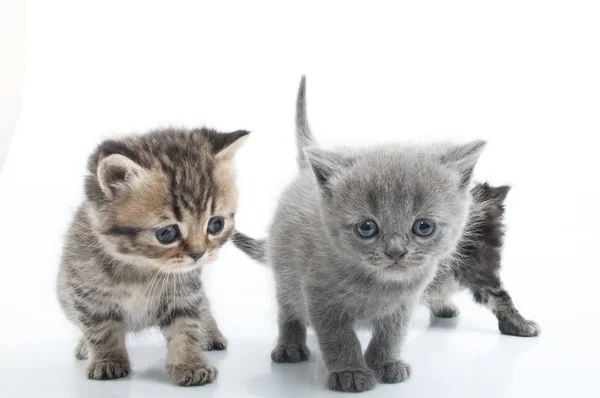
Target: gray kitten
157,208
356,239
475,265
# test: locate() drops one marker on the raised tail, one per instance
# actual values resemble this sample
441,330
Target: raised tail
304,137
254,248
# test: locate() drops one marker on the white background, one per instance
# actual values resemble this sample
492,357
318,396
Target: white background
523,75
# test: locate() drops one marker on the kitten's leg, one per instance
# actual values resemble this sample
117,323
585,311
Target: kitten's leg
510,321
443,308
342,352
437,296
481,276
215,339
81,351
185,358
105,341
383,352
291,343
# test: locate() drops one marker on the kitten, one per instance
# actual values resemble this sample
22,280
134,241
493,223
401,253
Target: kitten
356,239
476,266
157,208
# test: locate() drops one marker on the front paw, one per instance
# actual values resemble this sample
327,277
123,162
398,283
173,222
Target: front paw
217,343
290,353
107,370
519,326
392,372
192,374
352,380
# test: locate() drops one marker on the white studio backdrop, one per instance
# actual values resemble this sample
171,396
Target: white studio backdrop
521,74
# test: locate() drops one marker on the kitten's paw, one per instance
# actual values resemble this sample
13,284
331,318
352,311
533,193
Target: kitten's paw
107,370
393,372
81,351
192,374
352,380
290,353
445,311
519,326
217,343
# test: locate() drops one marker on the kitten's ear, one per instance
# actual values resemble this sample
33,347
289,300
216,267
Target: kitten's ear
116,172
225,145
463,159
499,193
325,164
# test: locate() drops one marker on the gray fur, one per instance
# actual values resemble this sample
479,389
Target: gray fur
327,275
474,265
304,135
252,247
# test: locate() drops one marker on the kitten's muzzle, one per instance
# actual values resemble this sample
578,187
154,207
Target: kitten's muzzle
196,255
395,255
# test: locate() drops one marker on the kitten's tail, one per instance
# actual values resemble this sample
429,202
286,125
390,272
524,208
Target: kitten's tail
304,137
254,248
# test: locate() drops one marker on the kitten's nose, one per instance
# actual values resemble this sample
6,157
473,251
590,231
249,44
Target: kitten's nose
395,254
196,255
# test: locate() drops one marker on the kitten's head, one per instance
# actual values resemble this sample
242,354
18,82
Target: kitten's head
396,209
166,199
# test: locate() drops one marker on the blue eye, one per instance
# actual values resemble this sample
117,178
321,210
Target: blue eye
423,227
167,235
215,225
367,228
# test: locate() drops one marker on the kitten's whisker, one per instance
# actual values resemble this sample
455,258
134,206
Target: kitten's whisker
154,284
150,283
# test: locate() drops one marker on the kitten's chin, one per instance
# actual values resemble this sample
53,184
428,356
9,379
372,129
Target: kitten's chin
184,269
403,271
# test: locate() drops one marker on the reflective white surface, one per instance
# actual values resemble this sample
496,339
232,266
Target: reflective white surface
465,357
521,74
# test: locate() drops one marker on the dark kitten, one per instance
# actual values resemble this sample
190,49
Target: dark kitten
157,208
476,266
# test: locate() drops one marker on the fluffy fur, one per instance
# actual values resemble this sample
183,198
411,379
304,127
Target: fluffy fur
326,274
115,276
476,266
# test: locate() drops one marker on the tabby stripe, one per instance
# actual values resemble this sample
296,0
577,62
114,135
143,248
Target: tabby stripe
123,231
170,317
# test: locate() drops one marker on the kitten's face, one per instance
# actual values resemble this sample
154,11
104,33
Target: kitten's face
396,211
173,215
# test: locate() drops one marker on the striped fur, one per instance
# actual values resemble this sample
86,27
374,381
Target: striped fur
115,277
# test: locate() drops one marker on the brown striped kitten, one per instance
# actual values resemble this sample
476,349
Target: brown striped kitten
157,208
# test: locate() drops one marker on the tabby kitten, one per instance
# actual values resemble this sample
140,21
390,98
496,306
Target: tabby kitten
476,265
157,208
356,239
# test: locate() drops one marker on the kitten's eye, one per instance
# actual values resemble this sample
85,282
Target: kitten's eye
423,227
367,228
215,225
168,235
